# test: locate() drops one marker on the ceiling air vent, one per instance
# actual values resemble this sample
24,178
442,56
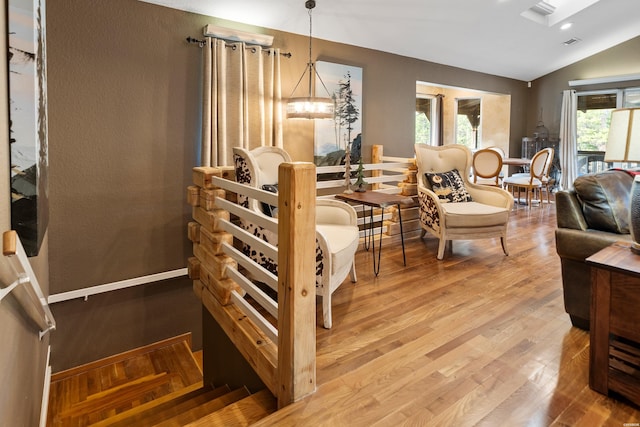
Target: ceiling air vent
571,41
543,8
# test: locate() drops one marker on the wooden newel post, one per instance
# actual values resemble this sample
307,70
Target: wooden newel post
376,157
296,282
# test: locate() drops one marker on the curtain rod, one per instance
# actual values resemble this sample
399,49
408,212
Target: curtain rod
201,43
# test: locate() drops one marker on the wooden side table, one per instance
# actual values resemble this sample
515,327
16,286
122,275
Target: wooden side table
614,362
379,200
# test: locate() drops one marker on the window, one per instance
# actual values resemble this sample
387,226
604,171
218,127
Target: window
592,125
468,122
425,116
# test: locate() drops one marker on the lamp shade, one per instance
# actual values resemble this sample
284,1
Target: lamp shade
623,144
310,108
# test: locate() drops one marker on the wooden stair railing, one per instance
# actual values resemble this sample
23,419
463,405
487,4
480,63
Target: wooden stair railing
284,364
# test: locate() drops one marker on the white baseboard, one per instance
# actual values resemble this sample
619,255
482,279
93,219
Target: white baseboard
44,408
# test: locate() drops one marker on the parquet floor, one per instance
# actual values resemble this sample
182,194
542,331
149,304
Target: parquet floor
478,339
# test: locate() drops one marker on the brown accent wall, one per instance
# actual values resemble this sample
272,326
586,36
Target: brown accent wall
123,131
546,93
389,90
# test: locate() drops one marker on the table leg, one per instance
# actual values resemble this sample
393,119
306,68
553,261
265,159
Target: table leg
376,267
368,230
404,258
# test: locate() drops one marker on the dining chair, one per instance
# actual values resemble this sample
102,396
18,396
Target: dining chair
546,176
498,150
487,167
337,233
530,182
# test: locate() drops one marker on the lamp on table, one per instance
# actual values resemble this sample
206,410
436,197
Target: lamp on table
623,145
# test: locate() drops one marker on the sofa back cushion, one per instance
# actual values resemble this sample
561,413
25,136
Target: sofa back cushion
605,199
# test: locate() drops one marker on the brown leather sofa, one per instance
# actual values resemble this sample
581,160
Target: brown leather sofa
590,217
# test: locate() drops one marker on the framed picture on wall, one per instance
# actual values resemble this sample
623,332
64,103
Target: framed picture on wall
28,121
334,136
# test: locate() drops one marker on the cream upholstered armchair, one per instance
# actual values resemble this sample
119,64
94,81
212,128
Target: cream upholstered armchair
451,207
337,234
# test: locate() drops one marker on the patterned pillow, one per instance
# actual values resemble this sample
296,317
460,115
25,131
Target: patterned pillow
449,186
269,210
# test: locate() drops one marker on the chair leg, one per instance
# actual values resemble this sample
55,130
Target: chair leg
441,246
354,278
547,189
326,311
503,241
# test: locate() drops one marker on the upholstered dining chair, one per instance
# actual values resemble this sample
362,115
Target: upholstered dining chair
532,182
452,207
546,176
337,233
487,167
497,149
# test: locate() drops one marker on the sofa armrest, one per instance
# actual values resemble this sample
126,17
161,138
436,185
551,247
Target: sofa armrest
569,212
579,245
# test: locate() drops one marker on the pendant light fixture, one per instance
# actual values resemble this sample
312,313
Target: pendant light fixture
310,106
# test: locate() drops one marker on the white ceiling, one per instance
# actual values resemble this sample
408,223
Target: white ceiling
488,36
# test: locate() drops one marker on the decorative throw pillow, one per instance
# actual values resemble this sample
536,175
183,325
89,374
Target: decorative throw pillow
269,210
449,186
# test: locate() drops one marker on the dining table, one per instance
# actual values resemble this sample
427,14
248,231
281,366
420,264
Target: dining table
516,161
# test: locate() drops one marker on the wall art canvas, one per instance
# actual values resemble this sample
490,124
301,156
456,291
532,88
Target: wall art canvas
332,137
28,121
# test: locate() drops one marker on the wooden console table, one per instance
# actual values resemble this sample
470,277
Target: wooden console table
379,200
614,354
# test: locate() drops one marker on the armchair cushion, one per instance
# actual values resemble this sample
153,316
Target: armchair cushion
449,186
472,214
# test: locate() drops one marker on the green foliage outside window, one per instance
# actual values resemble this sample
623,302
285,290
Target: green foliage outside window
592,127
465,134
423,129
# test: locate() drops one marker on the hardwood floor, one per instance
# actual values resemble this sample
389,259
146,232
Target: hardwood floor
478,339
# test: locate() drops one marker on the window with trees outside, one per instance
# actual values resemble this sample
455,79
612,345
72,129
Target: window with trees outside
592,125
425,116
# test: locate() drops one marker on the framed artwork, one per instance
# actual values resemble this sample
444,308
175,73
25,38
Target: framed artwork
28,121
333,137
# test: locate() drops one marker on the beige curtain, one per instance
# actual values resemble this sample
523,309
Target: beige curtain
568,140
241,100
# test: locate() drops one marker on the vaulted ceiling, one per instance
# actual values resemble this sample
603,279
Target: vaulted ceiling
519,39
